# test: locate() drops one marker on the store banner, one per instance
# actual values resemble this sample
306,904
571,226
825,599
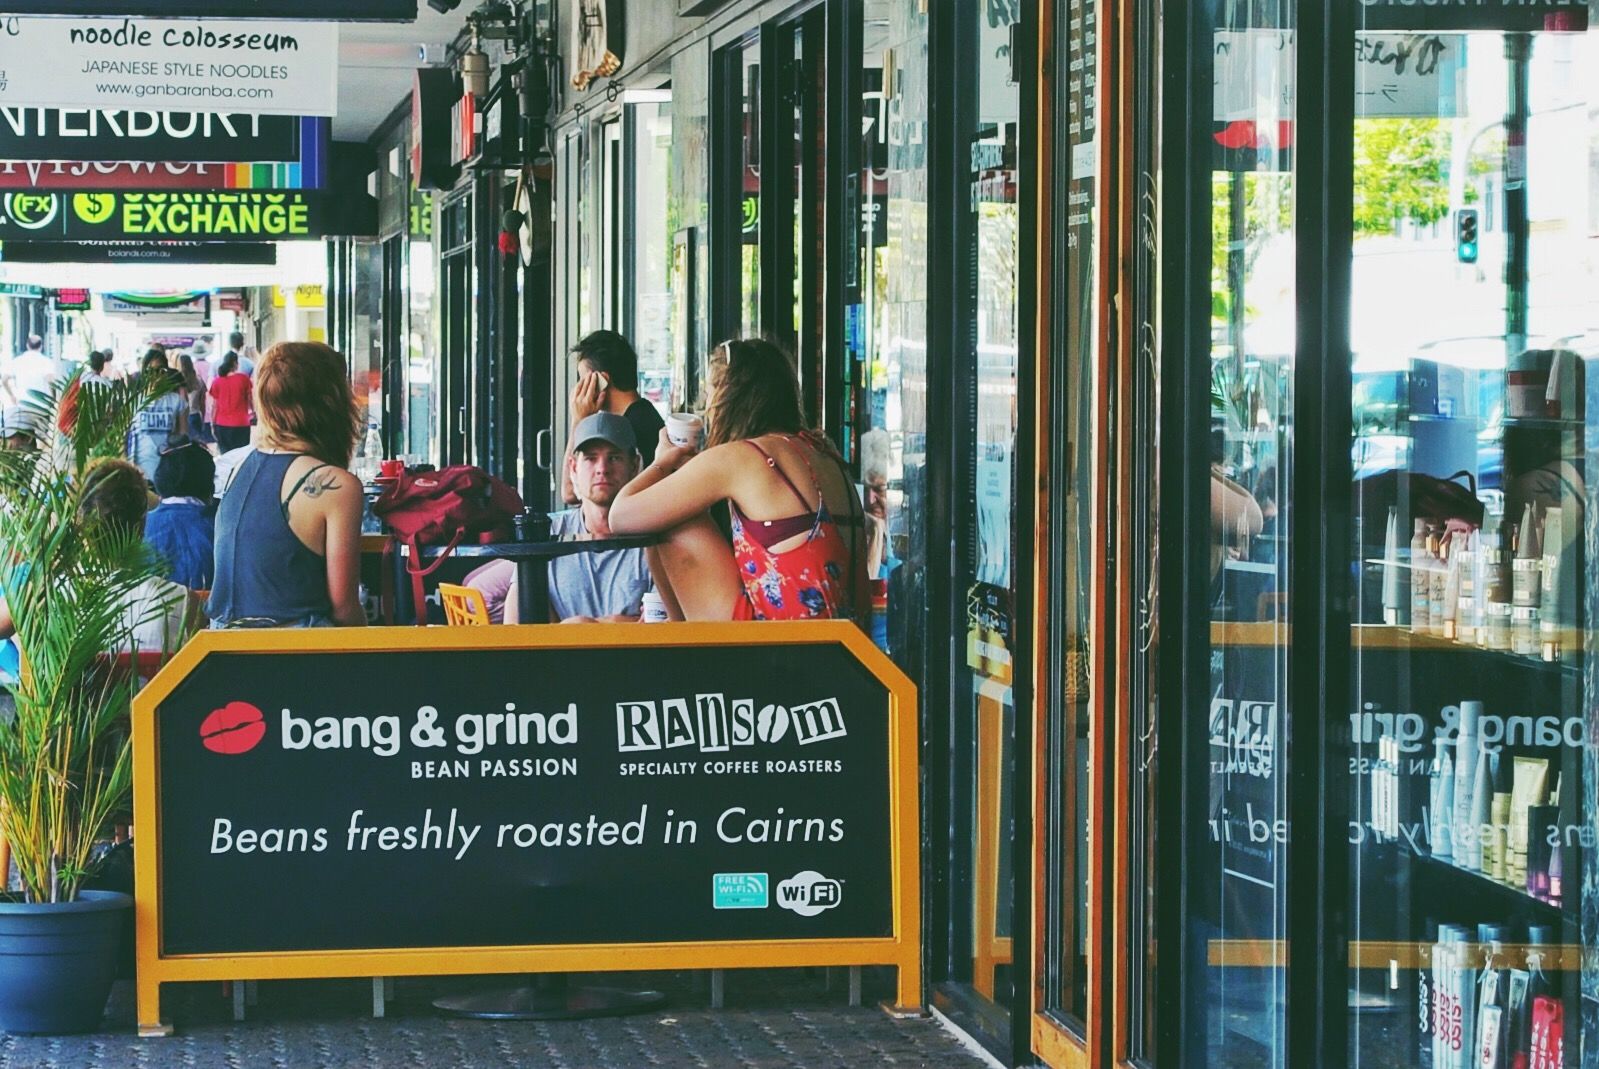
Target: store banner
160,216
343,10
188,302
136,176
159,136
694,794
263,68
138,252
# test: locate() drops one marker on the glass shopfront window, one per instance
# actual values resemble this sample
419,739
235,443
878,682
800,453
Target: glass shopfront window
1237,886
650,322
1473,321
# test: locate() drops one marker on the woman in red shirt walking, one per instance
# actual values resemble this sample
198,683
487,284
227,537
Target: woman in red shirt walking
230,389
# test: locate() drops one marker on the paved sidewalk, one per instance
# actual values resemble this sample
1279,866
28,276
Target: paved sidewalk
772,1020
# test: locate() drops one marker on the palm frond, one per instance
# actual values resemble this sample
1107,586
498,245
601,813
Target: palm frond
65,760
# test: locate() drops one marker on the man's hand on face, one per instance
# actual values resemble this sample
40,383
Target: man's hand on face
588,396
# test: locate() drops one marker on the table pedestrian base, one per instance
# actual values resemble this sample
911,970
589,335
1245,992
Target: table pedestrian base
549,998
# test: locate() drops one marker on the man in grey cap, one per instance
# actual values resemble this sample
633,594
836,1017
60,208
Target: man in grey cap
19,431
585,586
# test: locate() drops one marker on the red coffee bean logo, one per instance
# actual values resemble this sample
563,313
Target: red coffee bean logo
235,728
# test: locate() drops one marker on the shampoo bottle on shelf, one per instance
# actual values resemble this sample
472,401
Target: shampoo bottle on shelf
1481,810
1437,584
1468,606
1441,799
1494,585
1420,586
1552,603
1495,844
1466,758
1392,571
1526,585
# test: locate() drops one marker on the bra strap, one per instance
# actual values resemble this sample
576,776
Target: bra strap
299,483
772,463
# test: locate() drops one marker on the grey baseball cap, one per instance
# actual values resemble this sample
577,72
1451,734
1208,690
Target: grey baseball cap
605,427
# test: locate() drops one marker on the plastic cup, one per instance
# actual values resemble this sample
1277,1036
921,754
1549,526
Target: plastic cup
684,428
653,609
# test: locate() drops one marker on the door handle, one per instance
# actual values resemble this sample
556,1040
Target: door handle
541,448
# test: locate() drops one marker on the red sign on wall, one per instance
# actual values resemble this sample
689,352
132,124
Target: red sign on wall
72,300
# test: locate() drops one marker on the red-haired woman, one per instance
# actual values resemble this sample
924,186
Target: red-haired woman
288,533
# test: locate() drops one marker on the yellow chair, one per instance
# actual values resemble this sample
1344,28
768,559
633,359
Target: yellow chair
463,605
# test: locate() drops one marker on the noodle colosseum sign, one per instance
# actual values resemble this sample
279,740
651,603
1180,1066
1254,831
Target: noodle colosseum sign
348,10
263,68
209,216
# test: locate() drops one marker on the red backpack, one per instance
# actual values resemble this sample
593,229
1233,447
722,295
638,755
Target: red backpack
445,508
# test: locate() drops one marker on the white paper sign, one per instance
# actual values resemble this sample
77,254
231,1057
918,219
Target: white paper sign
1396,75
267,68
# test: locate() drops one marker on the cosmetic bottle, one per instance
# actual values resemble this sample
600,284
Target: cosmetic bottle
1530,786
1453,566
1494,862
1466,760
1481,810
1420,585
1495,585
1467,961
1441,799
1553,604
1526,571
1437,583
1543,834
1468,609
1391,568
1517,1025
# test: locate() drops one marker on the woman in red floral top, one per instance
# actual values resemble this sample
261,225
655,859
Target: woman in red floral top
798,547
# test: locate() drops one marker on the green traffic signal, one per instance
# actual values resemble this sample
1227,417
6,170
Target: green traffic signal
1466,235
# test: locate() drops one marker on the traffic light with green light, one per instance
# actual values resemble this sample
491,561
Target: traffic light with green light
1466,235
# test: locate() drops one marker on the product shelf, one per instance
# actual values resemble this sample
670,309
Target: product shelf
1476,889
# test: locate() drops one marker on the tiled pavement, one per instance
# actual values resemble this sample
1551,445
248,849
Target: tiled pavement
772,1020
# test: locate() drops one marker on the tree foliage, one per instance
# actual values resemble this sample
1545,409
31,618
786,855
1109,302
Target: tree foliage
1401,172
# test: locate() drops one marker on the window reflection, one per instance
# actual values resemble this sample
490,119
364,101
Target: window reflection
1472,318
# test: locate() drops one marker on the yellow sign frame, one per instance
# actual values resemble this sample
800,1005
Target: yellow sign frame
903,949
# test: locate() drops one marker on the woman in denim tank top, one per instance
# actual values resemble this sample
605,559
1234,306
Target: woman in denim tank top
288,533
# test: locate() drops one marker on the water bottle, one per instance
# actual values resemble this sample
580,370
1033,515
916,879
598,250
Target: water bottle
370,454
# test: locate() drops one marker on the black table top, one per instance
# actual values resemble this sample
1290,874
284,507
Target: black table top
528,551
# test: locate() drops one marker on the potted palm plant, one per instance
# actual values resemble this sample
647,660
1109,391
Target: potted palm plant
65,754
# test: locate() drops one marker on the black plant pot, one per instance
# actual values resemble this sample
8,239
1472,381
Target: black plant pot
57,961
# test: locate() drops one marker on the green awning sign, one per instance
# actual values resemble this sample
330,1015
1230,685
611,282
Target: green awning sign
208,216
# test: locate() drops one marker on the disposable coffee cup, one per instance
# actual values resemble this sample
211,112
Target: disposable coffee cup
684,428
653,609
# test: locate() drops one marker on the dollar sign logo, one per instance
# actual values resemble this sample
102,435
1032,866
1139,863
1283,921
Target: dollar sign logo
94,207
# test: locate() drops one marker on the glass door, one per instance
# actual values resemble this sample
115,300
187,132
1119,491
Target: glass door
1210,791
983,773
1071,435
1471,780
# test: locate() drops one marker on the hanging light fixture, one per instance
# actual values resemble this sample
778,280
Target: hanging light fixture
474,68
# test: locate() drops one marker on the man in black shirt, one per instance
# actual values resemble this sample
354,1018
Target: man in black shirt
607,381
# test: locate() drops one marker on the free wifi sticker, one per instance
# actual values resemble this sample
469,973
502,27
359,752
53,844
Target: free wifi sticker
235,728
